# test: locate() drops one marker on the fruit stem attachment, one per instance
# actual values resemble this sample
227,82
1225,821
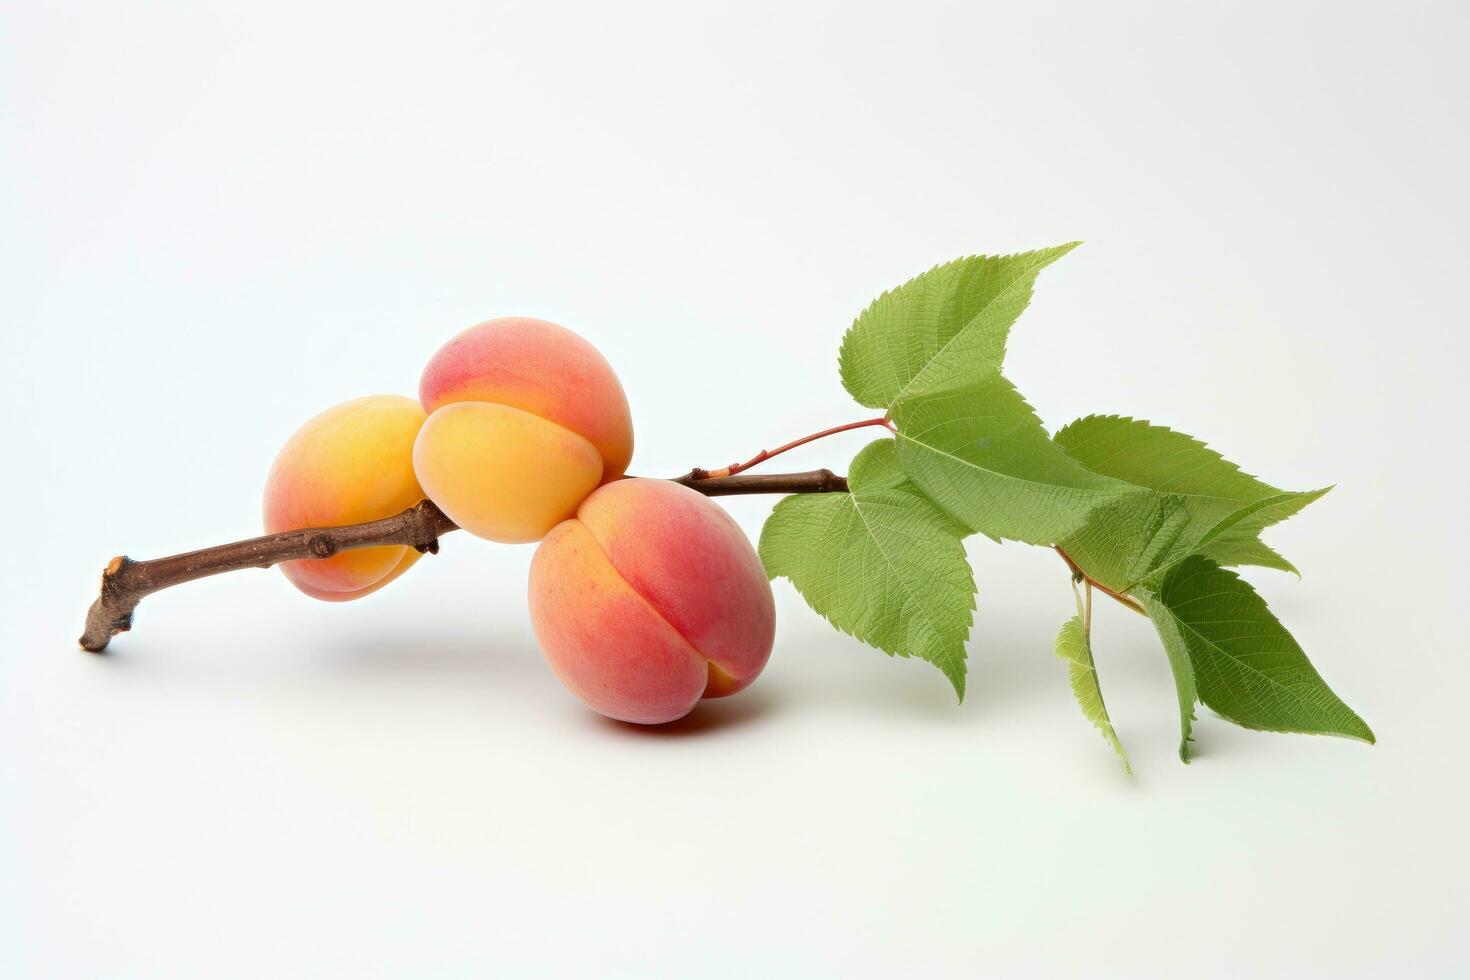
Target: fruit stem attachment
766,454
126,582
1079,575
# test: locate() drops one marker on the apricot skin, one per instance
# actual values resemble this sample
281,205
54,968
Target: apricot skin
351,463
502,473
650,599
550,423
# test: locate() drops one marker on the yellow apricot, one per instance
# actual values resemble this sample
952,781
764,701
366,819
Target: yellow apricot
351,463
502,473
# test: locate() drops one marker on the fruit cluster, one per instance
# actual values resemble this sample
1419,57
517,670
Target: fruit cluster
645,596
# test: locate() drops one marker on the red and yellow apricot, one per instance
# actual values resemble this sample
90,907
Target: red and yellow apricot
650,599
349,464
525,420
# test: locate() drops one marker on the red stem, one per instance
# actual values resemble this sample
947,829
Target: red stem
1077,571
766,454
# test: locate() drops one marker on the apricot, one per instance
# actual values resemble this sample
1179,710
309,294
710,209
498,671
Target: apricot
349,464
525,420
650,599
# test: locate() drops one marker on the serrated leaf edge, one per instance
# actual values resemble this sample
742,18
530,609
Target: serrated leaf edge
1079,671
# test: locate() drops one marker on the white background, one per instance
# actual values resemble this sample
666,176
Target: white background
216,220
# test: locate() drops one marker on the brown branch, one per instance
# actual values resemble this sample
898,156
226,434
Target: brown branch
812,481
1082,576
126,582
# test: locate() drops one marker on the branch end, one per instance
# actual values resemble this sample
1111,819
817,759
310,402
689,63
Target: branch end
101,630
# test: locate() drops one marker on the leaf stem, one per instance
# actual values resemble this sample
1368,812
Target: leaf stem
766,454
1126,600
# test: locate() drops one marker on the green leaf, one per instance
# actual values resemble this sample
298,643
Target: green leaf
1242,545
1138,539
929,352
979,451
953,318
1232,549
1157,457
1124,541
1245,664
1075,647
1179,665
881,563
1200,502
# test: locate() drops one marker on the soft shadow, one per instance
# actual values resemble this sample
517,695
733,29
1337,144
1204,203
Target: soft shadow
707,718
439,658
500,662
430,654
